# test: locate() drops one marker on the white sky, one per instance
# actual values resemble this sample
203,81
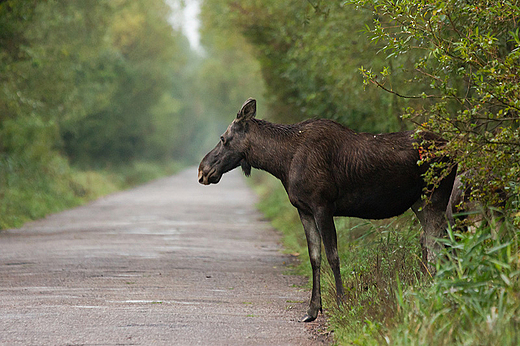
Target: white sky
185,16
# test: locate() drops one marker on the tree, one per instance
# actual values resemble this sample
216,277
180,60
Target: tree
80,79
467,53
310,53
138,119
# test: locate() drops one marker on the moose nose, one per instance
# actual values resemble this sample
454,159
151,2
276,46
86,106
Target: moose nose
201,177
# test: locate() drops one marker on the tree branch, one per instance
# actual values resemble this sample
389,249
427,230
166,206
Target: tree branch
400,95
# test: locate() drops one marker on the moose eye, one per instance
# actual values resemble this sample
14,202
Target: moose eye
222,139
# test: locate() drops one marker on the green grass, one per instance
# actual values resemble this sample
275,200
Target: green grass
473,299
30,189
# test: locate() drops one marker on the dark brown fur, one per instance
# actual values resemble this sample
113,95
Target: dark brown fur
329,170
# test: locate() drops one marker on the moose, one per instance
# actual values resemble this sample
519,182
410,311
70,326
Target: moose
329,170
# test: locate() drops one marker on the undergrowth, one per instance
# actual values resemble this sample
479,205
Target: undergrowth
473,299
30,190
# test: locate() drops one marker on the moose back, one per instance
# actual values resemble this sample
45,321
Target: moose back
329,170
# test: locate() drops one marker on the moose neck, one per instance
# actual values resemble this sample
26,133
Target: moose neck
271,147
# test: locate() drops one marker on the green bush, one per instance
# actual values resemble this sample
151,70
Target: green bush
475,296
30,189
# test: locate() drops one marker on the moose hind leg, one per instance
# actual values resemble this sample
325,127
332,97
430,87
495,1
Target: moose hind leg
314,246
433,218
433,223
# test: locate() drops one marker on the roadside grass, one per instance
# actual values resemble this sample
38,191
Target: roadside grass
473,299
29,190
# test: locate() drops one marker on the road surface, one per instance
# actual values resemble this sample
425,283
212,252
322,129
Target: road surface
169,263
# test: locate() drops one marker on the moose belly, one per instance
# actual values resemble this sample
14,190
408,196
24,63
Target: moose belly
377,203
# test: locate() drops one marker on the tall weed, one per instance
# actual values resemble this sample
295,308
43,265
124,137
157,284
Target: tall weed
475,296
376,257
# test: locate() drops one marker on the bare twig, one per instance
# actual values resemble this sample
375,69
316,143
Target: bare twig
400,95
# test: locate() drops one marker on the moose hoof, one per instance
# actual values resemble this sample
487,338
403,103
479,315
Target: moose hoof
308,318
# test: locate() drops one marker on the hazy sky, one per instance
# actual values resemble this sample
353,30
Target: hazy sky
186,17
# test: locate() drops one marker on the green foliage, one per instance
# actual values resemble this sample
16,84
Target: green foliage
83,82
139,118
228,74
475,297
31,190
375,256
309,65
90,75
466,69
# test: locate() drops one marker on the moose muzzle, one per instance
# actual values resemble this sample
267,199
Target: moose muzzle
211,177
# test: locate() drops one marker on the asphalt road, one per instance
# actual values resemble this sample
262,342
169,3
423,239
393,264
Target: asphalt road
169,263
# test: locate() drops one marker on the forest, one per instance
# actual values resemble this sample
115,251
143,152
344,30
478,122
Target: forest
99,96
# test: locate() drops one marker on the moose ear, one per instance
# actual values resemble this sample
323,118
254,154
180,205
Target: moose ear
248,110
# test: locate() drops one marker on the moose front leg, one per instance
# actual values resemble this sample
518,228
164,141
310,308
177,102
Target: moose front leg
325,223
314,246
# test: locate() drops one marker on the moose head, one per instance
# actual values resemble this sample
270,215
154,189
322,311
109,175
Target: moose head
229,153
